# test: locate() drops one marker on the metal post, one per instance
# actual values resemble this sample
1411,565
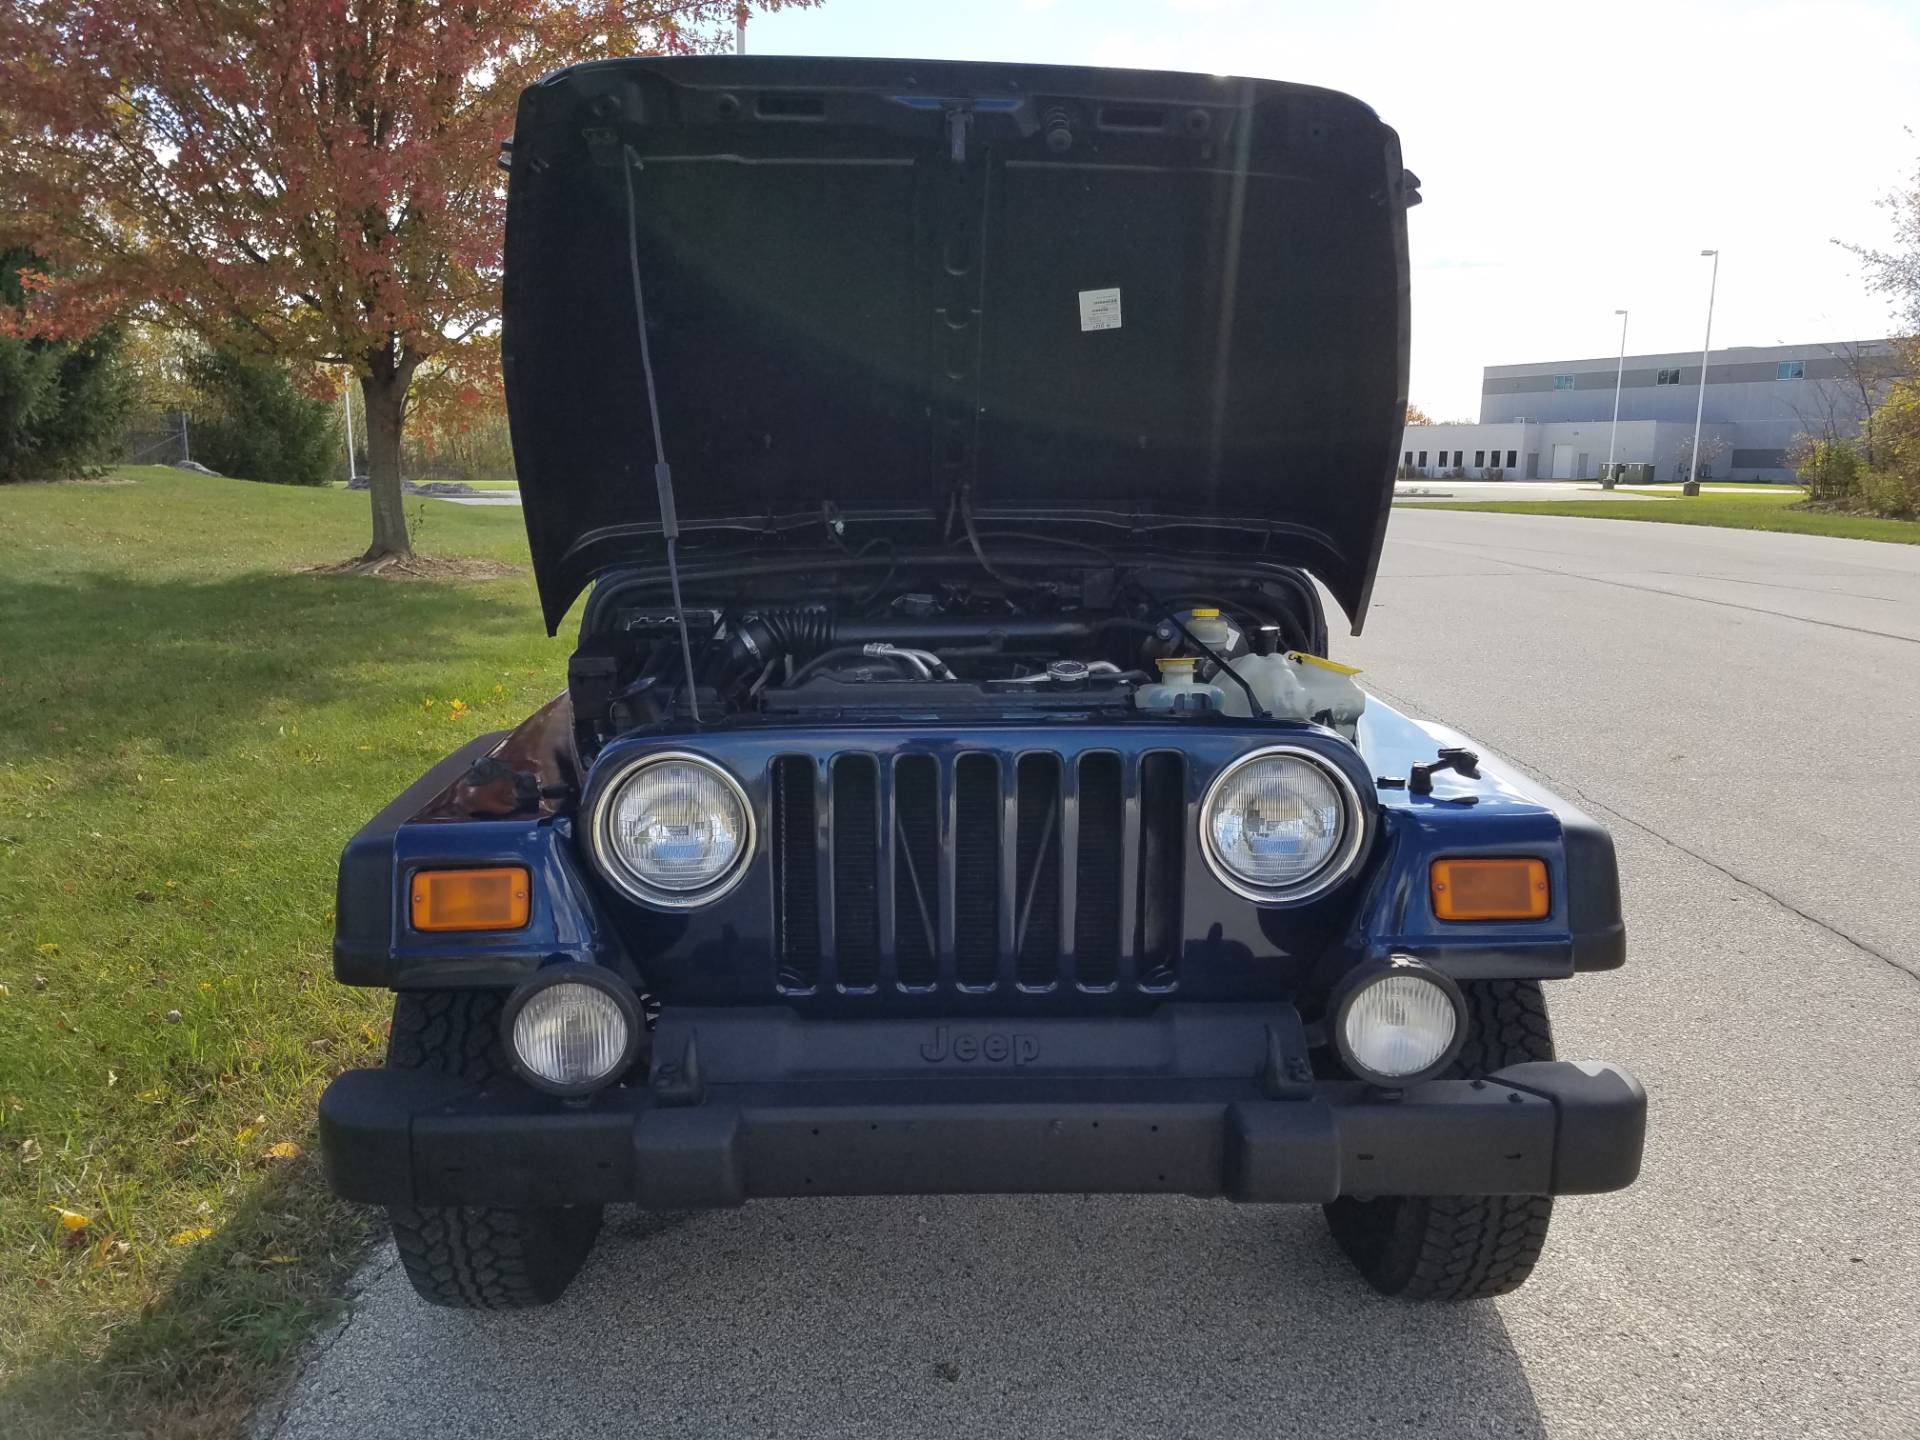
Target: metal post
1692,487
1618,375
740,29
186,448
346,407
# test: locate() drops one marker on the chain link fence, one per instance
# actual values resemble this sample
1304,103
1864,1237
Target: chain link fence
156,437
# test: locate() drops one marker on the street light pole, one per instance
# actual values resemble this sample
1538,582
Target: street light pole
1618,375
346,408
1692,487
740,29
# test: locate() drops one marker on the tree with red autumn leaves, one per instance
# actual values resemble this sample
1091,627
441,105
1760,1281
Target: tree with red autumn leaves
309,179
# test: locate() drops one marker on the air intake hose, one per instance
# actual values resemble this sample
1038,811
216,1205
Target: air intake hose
770,634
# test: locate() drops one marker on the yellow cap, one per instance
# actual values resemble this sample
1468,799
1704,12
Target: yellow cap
1199,613
1175,662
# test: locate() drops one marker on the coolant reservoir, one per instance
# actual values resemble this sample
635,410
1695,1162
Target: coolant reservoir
1297,686
1273,680
1330,689
1179,692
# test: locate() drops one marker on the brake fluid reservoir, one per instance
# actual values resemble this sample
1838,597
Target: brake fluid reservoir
1213,630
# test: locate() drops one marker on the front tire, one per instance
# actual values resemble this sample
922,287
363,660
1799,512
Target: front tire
1459,1247
477,1257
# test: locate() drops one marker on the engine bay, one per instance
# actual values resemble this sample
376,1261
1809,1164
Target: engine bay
927,642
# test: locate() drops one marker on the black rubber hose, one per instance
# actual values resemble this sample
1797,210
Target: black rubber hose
771,634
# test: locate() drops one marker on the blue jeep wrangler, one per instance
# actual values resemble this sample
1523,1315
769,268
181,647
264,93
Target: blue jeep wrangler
952,792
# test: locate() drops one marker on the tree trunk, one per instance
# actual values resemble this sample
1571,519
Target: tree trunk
384,389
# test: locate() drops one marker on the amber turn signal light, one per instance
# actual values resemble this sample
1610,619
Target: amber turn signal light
1490,889
497,898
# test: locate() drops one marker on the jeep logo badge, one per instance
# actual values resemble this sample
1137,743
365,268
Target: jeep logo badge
992,1048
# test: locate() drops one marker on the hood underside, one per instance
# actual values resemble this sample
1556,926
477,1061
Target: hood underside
1112,306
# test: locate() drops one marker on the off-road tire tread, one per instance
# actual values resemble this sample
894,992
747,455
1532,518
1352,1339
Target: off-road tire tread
476,1257
1460,1247
456,1032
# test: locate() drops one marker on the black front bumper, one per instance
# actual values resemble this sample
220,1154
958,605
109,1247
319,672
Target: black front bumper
1196,1100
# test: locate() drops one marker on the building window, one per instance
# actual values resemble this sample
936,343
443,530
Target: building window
1423,457
1563,382
1458,456
1513,458
1791,370
1479,459
1667,377
1409,459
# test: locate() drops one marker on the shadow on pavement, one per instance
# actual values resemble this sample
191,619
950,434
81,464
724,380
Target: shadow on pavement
1017,1316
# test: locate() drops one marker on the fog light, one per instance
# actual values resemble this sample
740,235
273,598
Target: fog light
572,1030
1398,1023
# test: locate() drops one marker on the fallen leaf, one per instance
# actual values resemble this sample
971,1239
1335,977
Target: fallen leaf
281,1260
113,1078
29,1151
4,991
283,1150
39,982
189,1236
145,897
248,1131
172,1017
70,1219
49,949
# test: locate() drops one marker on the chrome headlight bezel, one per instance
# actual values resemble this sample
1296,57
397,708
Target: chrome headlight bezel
606,855
1339,865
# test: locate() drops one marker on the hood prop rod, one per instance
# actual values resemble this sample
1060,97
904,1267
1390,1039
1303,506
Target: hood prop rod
662,475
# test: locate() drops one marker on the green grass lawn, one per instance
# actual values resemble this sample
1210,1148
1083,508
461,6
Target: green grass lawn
1739,512
189,730
1671,487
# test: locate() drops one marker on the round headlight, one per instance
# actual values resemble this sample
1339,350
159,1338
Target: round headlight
674,830
1398,1025
572,1034
1281,825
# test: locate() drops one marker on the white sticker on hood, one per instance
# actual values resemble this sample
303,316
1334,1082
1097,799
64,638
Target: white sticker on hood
1100,309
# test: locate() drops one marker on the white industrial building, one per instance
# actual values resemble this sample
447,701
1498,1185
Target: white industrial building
1551,421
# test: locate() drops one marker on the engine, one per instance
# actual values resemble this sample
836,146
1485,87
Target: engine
1095,644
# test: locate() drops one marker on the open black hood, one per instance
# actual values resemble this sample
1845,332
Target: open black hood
1117,306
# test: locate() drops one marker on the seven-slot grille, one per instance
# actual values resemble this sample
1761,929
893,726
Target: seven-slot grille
978,871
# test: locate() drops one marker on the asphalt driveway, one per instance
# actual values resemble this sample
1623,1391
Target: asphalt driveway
1742,708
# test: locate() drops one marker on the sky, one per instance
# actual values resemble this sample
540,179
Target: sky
1574,158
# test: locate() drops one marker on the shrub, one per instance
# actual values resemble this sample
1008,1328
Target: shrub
251,421
61,401
1830,469
1889,493
1892,487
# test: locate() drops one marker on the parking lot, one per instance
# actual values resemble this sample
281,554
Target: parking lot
1740,708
